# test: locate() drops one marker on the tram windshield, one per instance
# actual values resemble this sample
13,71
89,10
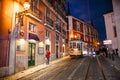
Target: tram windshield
75,44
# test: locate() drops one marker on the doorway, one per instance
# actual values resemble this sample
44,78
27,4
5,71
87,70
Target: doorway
31,54
57,51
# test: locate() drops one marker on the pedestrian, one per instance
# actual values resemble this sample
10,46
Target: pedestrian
47,56
105,53
111,53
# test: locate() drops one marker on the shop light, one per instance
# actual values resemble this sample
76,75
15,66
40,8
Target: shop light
41,44
22,41
47,41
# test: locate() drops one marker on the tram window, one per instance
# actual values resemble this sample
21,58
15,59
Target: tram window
78,46
70,45
74,45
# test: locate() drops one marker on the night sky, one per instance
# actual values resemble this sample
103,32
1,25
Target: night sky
91,10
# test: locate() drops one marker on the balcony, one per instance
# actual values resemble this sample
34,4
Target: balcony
63,32
57,8
36,14
58,28
49,22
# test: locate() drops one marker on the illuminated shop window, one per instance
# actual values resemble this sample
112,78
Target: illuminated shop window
20,45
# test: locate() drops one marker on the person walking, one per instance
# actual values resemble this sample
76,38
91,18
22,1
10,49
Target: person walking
111,53
104,50
47,55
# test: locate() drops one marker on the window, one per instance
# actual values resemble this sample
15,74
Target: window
86,38
81,27
47,12
34,4
78,46
57,37
74,45
63,29
32,27
78,26
57,21
63,25
114,31
112,18
47,34
71,45
63,49
47,47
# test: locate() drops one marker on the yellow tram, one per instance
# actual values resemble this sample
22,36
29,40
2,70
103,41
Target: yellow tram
76,48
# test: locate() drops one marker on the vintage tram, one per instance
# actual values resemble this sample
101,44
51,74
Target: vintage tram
76,48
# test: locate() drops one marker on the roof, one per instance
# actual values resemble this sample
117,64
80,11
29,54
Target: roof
108,11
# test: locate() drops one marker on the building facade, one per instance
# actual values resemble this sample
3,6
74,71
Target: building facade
26,34
116,10
111,31
78,29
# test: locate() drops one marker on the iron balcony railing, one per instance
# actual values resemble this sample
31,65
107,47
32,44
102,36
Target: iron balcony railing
58,28
49,21
63,32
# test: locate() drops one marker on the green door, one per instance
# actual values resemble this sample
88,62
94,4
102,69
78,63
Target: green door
31,54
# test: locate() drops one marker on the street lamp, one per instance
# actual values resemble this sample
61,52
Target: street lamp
17,30
20,15
26,5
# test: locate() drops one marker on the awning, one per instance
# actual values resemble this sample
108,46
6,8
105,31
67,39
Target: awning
33,36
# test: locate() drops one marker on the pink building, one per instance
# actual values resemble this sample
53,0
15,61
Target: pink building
26,34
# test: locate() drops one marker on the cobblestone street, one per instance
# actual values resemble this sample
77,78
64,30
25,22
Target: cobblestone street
86,68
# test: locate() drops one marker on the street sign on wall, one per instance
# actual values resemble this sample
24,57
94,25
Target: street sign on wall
107,41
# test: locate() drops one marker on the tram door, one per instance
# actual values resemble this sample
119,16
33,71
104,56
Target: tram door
31,54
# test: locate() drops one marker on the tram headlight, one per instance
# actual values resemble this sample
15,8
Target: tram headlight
85,52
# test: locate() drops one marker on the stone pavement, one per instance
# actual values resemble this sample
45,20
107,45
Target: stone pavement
115,62
32,70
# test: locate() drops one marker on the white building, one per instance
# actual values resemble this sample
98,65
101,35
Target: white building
116,9
111,29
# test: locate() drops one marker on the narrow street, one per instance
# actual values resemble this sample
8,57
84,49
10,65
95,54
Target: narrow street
86,68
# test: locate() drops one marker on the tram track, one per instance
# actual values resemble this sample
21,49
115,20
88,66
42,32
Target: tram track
53,71
72,74
100,69
87,70
66,67
72,69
